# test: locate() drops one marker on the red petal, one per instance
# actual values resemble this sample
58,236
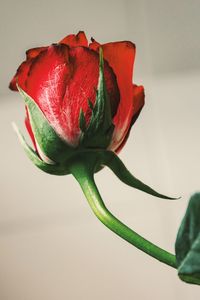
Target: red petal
21,76
34,52
137,104
61,80
75,40
138,100
47,82
23,70
82,86
94,45
120,56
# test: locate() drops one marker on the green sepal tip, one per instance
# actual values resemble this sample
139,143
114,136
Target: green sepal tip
111,160
82,121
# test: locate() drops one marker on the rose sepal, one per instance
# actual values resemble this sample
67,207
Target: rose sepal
112,161
47,140
53,169
98,133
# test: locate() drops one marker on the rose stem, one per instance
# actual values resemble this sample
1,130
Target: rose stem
84,175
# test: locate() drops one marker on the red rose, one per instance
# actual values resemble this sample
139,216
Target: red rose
80,105
62,79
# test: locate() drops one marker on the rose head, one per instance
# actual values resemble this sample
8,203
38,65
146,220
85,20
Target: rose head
78,96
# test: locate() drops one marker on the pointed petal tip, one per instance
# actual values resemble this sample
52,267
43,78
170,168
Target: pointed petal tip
80,32
75,40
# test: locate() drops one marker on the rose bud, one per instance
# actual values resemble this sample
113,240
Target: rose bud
78,97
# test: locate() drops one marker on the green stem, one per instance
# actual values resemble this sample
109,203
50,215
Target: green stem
84,175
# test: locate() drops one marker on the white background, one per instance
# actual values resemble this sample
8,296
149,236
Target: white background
51,245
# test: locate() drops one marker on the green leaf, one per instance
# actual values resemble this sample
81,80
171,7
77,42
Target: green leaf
99,132
188,243
50,143
111,160
50,169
